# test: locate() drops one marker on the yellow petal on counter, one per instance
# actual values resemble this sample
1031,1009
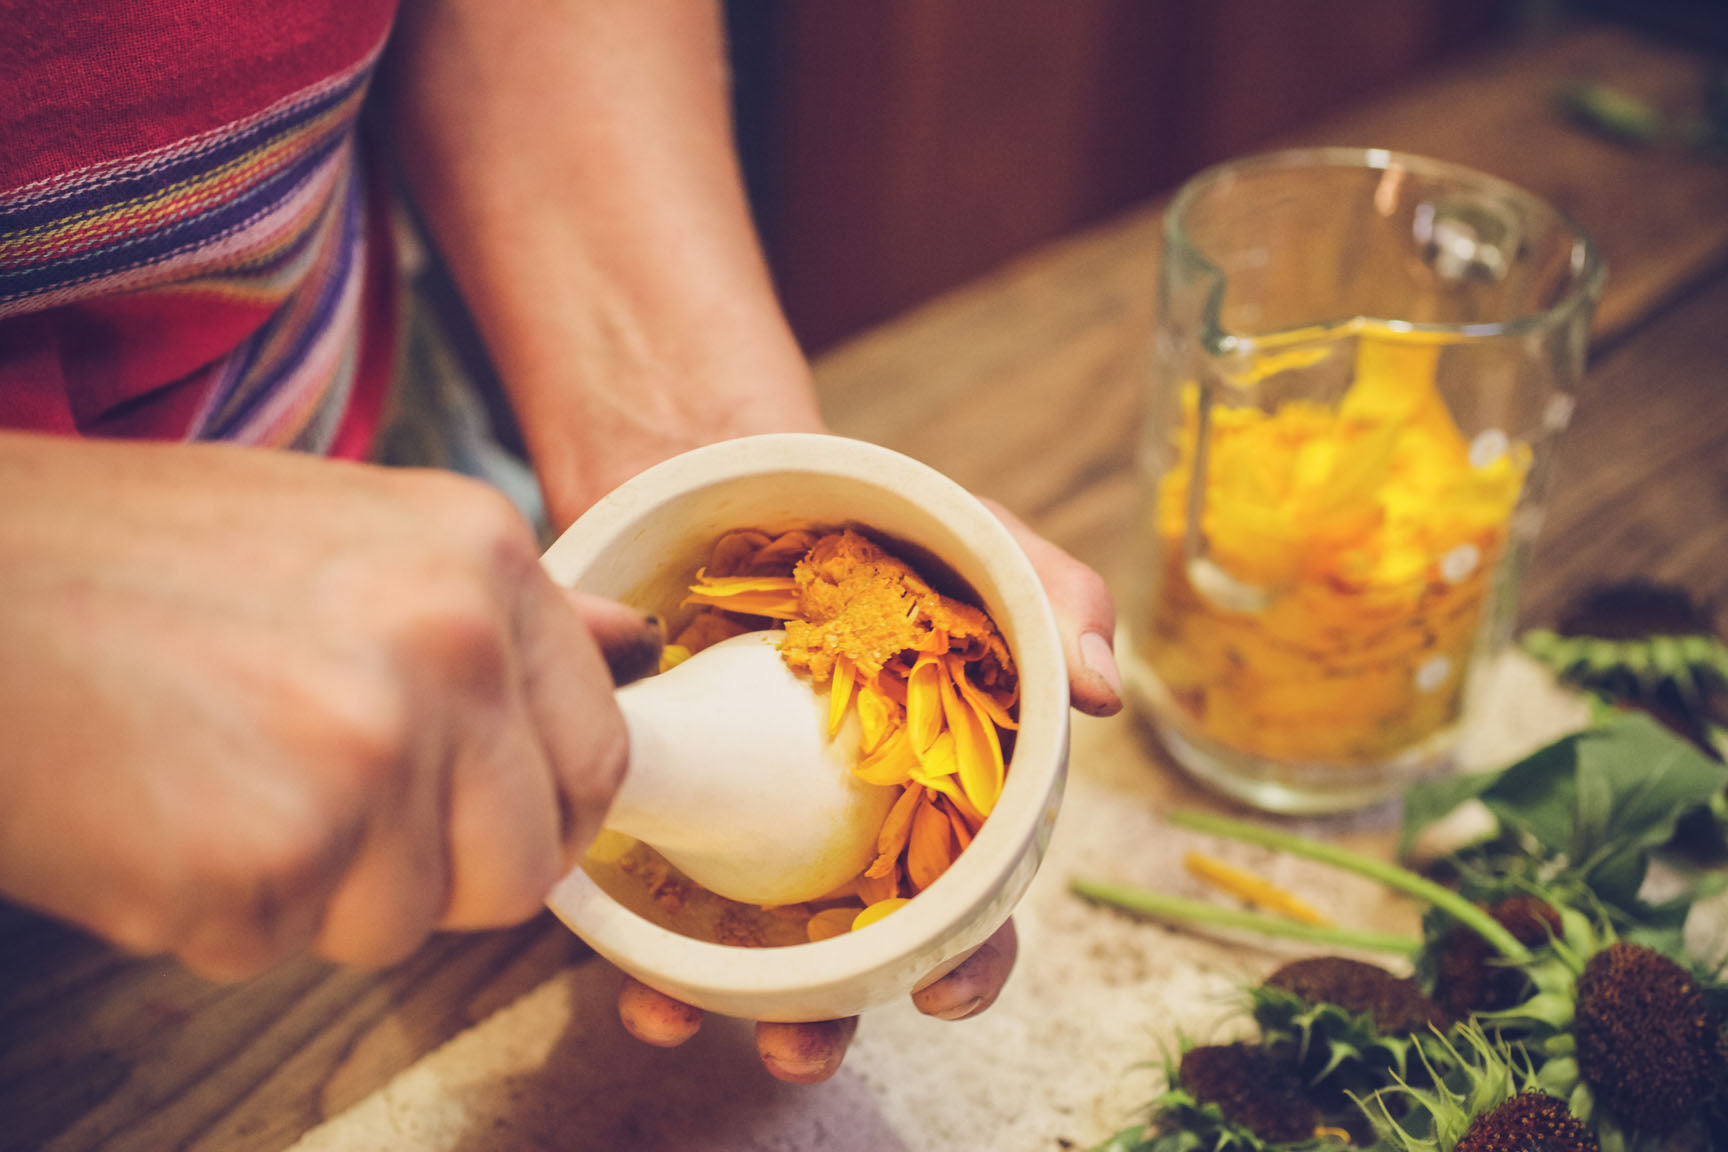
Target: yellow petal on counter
878,910
829,923
924,702
840,692
673,655
1245,885
931,849
977,754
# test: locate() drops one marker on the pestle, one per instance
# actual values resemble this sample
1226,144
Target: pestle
734,779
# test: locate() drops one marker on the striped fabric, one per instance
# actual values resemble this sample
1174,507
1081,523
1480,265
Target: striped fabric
260,222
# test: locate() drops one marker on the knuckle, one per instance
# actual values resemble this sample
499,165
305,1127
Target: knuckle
457,631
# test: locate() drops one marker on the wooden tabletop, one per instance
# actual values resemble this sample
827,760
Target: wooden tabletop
1025,386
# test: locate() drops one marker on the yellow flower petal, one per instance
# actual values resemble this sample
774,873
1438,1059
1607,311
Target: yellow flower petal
609,847
1246,885
896,830
963,828
924,702
976,749
876,911
938,760
931,848
775,605
829,923
949,788
892,763
840,692
877,717
995,710
875,889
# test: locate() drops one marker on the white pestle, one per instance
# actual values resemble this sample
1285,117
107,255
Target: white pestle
734,779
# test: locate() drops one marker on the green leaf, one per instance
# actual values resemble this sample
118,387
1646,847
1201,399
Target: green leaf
1651,778
1433,800
1537,796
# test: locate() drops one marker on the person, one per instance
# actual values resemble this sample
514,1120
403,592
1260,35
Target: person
263,702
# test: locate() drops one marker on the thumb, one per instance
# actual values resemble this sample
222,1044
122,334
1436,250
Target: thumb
630,640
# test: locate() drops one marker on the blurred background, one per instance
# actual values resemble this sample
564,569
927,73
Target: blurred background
897,148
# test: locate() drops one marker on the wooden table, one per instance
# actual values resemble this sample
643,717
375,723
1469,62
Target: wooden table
1025,386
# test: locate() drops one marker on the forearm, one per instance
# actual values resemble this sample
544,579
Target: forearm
574,163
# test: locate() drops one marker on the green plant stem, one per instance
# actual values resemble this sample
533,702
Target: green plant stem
1184,911
1394,877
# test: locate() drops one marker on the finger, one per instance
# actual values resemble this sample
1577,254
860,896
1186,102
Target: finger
568,692
395,891
655,1018
630,641
1085,614
975,983
506,838
804,1053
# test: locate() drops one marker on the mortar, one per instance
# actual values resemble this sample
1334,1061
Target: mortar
642,544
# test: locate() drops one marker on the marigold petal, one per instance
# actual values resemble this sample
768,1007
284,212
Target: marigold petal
875,889
962,829
673,655
840,692
896,828
924,702
1254,889
949,787
892,763
877,717
876,910
736,551
976,748
930,849
996,711
829,923
786,548
936,760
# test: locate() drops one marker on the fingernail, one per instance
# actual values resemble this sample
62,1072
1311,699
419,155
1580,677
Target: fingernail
1100,659
961,1011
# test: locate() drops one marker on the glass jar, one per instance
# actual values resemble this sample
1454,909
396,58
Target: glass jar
1363,362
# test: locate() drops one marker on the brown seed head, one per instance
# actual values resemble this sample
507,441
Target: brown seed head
1528,1122
1643,1037
1466,978
1251,1087
1397,1005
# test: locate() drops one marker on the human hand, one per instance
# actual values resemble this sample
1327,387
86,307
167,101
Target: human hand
812,1052
256,703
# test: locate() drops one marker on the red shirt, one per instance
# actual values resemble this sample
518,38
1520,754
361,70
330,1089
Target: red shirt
189,246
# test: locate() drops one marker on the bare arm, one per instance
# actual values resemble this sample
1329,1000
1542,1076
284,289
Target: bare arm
574,164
